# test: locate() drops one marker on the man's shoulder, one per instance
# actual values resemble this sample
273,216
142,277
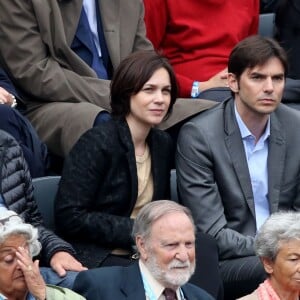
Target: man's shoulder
210,115
109,275
210,122
192,291
287,114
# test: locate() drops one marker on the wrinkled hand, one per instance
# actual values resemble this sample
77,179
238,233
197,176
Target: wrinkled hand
6,97
63,261
34,280
218,80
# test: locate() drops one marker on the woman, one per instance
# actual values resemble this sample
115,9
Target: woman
20,277
119,166
278,246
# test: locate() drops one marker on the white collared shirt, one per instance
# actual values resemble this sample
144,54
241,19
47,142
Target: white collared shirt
90,10
153,289
257,160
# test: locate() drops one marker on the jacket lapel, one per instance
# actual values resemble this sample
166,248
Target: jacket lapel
110,15
70,10
126,140
276,159
132,286
236,152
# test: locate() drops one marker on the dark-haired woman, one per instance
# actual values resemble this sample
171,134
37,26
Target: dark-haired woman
119,166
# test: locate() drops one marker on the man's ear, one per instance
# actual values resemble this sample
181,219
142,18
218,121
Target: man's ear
233,83
140,244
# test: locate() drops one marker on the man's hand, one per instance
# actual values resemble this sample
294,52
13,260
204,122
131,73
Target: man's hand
218,80
61,262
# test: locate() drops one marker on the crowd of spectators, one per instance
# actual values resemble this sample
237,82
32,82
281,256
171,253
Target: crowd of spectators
94,84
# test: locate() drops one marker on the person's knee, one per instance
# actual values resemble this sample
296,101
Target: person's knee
7,114
52,278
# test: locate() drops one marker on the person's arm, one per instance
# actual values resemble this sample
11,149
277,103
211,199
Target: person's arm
27,57
78,206
199,191
56,252
253,30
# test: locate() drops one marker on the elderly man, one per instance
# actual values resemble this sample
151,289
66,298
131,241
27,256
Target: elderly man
164,233
239,162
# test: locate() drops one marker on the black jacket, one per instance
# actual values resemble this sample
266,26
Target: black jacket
17,193
99,186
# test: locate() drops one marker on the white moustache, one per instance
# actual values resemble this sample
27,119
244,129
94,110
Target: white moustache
179,264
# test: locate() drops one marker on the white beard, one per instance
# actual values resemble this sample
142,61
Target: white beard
177,274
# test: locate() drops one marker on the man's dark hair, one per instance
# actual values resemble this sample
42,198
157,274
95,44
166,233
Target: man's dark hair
255,51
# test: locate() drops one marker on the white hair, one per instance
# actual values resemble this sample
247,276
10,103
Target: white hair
12,224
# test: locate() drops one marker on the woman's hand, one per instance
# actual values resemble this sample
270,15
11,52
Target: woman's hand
34,280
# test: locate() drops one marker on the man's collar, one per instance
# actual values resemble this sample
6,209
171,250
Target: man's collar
156,288
245,132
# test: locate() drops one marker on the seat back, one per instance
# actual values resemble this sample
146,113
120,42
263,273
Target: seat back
173,185
266,26
45,189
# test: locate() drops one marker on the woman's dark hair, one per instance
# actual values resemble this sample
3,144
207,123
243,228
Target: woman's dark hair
131,75
255,51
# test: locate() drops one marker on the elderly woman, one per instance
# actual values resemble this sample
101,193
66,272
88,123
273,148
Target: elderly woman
20,277
278,246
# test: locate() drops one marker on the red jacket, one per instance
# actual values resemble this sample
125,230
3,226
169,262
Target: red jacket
198,35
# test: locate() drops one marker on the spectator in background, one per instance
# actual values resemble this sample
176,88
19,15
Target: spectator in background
61,55
287,21
239,162
197,37
13,122
164,234
57,256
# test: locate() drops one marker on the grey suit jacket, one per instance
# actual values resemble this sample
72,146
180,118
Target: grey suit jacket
214,181
123,283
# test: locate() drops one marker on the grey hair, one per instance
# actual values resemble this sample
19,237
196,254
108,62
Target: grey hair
153,211
12,224
279,228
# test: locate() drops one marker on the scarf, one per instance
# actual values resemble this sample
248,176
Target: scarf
265,291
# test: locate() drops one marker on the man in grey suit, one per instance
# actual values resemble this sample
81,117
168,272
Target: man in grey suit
164,233
239,162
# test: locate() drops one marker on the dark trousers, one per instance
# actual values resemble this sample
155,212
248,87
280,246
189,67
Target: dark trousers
207,274
35,152
241,276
